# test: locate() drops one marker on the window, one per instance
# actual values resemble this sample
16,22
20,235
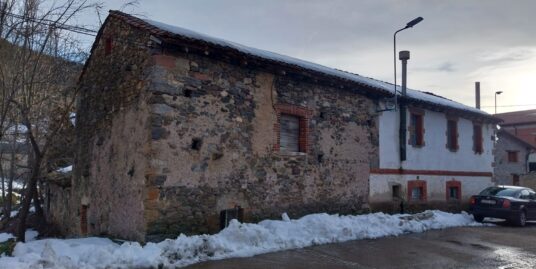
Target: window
512,156
454,190
396,191
416,190
289,133
478,146
292,128
452,134
515,180
525,194
416,129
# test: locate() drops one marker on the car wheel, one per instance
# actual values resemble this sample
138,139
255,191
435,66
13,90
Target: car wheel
521,219
478,218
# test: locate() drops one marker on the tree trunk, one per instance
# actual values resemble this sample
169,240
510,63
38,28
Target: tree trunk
30,193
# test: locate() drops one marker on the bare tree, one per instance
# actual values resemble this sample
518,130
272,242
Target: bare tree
39,81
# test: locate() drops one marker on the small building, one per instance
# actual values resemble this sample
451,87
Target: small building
512,158
445,156
178,132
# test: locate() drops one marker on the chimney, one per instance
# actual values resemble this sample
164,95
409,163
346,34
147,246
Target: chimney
477,94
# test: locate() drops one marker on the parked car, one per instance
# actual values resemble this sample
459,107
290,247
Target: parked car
512,203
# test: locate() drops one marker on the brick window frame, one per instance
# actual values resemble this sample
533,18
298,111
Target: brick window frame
416,133
304,114
478,138
453,184
452,134
513,156
417,184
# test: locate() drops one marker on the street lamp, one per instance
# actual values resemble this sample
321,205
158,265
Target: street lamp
408,25
496,93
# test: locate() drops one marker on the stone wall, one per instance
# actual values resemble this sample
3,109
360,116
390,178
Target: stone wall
112,136
504,169
213,146
167,140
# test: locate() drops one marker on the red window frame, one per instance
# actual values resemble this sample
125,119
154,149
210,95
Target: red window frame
453,184
417,184
304,114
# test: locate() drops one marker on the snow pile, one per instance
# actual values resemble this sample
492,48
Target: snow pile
29,235
66,169
237,240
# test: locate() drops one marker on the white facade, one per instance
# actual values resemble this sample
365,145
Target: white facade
434,164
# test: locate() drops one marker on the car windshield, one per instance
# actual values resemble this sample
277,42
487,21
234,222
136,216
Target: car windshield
500,191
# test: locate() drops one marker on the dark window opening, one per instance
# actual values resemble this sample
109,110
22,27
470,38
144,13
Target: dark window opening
196,143
320,158
396,191
452,135
478,146
454,193
108,46
532,166
515,180
416,128
512,157
187,93
83,219
229,214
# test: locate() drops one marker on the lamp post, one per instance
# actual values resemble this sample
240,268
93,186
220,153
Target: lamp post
404,56
408,25
496,93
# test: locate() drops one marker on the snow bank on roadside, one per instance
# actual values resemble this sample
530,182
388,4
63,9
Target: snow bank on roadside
237,240
30,235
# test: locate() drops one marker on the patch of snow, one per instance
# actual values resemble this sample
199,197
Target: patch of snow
13,213
72,117
5,236
237,240
414,94
65,169
30,235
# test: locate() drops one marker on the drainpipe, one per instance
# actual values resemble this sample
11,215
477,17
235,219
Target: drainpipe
404,57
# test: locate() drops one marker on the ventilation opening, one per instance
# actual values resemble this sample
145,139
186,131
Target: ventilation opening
108,46
229,214
196,143
320,158
187,93
396,191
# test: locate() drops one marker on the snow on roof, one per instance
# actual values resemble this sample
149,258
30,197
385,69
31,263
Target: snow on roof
377,84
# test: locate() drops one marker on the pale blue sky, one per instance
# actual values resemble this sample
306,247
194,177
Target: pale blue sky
458,43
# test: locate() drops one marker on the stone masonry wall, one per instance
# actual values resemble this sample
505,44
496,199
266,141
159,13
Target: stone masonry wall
112,137
504,169
213,137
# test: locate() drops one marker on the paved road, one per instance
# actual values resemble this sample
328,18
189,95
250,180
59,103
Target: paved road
490,247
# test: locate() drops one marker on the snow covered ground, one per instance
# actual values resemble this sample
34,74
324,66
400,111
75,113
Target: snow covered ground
237,240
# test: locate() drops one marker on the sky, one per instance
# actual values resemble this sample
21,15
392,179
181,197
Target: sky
458,42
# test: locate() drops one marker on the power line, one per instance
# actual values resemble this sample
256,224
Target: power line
512,105
51,23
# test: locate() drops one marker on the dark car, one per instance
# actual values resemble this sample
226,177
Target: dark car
512,203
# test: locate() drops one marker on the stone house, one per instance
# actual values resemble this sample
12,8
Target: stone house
512,158
178,132
445,156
